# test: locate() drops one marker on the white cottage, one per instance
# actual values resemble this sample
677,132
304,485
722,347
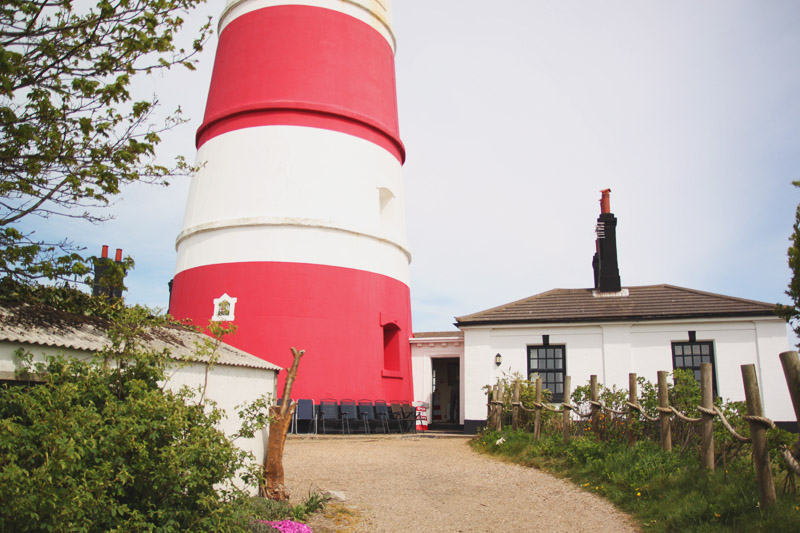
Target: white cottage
610,331
234,378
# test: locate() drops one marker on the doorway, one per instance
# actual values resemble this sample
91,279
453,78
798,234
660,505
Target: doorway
446,393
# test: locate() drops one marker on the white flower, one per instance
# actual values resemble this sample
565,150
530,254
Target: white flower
500,441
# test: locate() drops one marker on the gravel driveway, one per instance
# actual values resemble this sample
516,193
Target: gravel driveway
405,484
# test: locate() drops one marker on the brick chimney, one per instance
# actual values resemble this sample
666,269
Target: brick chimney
604,263
106,285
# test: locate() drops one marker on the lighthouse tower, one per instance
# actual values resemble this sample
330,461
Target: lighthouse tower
295,228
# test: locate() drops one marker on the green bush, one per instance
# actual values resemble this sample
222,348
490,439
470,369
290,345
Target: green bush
100,445
103,447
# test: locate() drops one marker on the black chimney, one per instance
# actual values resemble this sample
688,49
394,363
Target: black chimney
604,263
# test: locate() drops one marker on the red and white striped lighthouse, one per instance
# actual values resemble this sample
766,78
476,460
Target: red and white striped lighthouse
295,225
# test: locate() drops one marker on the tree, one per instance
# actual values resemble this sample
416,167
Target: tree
71,134
792,312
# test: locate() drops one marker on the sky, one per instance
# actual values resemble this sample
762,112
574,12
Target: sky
515,114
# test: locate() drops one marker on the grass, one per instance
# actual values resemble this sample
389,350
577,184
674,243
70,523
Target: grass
665,492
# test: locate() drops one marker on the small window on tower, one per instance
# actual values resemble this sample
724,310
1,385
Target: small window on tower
391,347
387,208
223,308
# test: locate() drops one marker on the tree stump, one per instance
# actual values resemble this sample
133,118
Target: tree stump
280,420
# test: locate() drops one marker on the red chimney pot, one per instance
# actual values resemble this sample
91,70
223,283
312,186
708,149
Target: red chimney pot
605,201
118,256
104,253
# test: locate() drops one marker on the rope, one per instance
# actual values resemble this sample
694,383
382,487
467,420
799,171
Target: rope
730,429
684,417
610,410
665,410
790,461
546,407
637,407
764,421
519,404
707,411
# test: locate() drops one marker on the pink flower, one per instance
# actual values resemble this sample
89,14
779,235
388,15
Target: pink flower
288,526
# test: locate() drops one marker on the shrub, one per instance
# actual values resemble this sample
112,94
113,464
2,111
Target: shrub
100,445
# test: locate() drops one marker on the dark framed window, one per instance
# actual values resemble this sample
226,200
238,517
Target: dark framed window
550,363
690,355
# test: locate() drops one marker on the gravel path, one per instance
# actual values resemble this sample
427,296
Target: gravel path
407,484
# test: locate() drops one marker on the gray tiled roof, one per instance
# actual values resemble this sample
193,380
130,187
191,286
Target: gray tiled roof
438,334
650,302
48,327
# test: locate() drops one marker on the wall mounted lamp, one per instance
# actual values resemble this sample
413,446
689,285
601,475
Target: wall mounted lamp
498,359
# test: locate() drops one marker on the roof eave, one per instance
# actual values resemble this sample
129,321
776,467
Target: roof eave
627,318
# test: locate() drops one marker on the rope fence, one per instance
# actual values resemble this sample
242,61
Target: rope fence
632,411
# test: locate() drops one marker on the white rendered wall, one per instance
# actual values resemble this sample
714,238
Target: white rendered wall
612,351
343,206
229,387
423,350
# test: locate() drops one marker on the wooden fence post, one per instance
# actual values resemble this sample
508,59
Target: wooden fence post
515,409
567,413
663,402
707,423
537,421
489,405
595,398
633,394
791,369
498,409
766,486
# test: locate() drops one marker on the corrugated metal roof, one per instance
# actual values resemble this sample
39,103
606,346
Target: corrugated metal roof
650,302
46,326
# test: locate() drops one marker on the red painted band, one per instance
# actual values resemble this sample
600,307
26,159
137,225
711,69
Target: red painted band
300,117
334,69
336,314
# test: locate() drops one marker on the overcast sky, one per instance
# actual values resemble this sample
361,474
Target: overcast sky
516,113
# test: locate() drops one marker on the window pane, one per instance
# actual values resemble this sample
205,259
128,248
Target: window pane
559,389
696,361
534,364
551,364
550,353
678,361
704,349
678,349
558,363
706,358
697,375
559,353
695,349
559,378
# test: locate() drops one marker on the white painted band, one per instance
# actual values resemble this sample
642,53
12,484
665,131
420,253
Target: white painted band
339,195
281,222
376,13
292,244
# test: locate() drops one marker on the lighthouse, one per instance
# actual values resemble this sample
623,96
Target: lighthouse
294,229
